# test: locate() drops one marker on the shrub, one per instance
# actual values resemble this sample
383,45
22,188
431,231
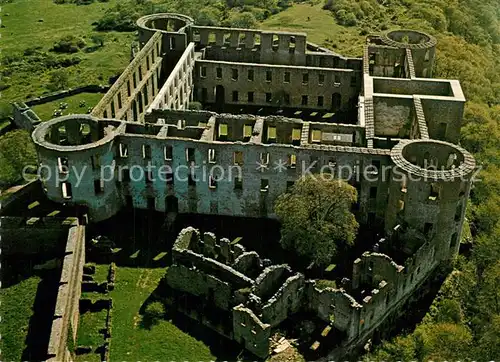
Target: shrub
197,106
68,44
155,310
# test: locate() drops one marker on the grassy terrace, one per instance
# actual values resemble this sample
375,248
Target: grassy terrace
30,23
131,340
45,111
320,27
17,308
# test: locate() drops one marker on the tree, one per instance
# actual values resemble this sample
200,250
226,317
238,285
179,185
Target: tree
315,217
58,80
16,152
443,342
243,20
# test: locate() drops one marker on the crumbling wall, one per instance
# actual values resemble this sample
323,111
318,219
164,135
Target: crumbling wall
201,284
250,331
35,235
135,89
272,278
335,305
67,303
372,268
285,302
177,91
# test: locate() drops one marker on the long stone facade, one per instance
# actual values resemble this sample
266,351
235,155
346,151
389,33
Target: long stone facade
276,107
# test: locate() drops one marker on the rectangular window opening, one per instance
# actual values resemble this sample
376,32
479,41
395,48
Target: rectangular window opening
320,101
271,133
238,183
247,131
250,75
269,76
264,185
219,73
264,158
321,79
212,183
250,97
286,78
304,100
167,153
146,152
98,186
268,97
222,130
123,150
66,190
238,158
305,78
316,135
292,160
235,96
234,74
190,155
62,165
211,155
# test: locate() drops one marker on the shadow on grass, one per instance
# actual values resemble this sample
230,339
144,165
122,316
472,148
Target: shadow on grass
40,323
154,310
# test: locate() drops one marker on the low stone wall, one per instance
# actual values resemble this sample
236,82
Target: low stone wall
92,88
66,312
25,118
21,235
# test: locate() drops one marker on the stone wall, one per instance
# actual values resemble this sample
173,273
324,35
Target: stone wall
274,85
138,85
67,304
177,91
25,235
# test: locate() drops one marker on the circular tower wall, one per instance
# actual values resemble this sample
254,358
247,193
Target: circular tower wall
421,45
428,191
76,159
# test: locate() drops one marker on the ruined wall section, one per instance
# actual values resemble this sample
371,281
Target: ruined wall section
250,331
274,85
77,153
68,297
177,91
135,89
287,301
335,305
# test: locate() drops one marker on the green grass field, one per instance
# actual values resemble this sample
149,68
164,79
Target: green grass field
45,111
17,309
320,27
30,23
132,342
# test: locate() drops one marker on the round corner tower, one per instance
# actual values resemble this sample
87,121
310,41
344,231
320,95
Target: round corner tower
428,191
76,160
421,45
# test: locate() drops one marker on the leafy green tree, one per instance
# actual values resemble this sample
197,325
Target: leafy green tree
443,342
316,217
401,348
243,20
58,80
16,152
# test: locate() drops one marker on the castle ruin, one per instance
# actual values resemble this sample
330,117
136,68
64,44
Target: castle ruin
272,98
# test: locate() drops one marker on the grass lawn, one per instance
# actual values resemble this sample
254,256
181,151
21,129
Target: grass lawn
320,27
30,23
88,328
17,309
132,342
45,111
